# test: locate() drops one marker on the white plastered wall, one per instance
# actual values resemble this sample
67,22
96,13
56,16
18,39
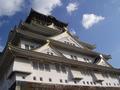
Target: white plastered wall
56,76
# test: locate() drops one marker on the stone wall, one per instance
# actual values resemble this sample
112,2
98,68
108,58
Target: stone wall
32,86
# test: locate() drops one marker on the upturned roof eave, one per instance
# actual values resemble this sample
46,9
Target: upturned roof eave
41,29
60,44
38,56
78,49
89,46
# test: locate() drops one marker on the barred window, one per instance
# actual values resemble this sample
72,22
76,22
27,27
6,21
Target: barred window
41,79
50,80
63,69
71,56
35,65
27,46
61,80
83,82
31,47
50,53
66,81
41,66
34,78
74,57
47,67
57,67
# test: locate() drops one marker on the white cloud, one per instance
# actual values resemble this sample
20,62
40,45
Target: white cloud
10,7
90,19
45,6
71,7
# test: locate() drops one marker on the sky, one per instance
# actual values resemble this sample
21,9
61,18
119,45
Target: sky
93,21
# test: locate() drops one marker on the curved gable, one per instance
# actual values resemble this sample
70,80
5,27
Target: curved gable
47,49
67,39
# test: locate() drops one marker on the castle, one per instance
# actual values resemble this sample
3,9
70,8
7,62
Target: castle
41,54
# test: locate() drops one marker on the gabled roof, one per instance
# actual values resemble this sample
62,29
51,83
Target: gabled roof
79,50
89,46
48,46
84,44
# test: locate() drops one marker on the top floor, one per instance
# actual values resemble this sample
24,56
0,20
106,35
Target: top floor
44,20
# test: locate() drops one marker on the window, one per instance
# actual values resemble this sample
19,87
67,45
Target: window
73,44
110,84
63,69
47,67
91,83
106,83
57,67
61,80
95,83
34,78
41,66
65,42
87,82
83,82
27,46
86,59
85,72
23,77
50,53
75,82
60,68
73,57
66,81
50,80
31,46
114,84
35,65
105,75
69,43
41,79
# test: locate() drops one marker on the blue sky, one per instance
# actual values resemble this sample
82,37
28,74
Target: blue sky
94,21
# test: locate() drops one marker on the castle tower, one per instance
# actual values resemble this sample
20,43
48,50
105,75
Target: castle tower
41,54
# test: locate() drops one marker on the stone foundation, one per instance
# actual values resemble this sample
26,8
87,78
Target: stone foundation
36,86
